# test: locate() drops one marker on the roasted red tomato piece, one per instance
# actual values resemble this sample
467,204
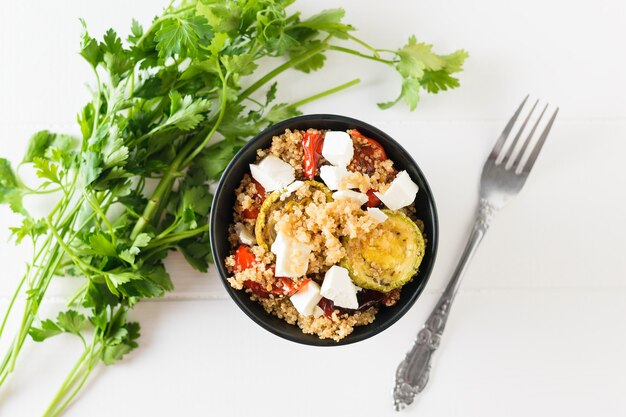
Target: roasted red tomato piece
251,213
327,306
372,201
284,286
256,288
312,142
366,152
260,191
244,258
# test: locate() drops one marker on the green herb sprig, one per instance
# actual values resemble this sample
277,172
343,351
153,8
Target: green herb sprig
172,103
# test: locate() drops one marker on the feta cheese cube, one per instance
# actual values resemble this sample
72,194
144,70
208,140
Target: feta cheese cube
273,173
351,195
376,214
244,235
338,287
290,189
306,299
292,257
317,311
400,193
338,148
333,176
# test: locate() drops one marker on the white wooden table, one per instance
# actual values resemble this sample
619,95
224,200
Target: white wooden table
538,326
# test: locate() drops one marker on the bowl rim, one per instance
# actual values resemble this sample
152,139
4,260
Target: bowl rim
433,236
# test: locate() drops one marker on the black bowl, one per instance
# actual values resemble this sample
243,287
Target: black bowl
222,217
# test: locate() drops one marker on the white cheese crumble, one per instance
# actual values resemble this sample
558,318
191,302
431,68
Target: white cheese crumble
338,148
292,257
351,195
376,214
273,173
400,193
306,299
338,287
244,235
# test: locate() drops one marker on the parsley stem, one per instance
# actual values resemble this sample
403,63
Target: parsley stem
40,286
326,93
13,298
364,44
217,123
76,378
360,54
281,68
82,265
80,293
175,237
96,208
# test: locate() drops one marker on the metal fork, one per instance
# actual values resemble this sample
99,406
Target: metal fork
504,174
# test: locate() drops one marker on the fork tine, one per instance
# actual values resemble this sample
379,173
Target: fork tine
505,133
542,139
509,153
522,151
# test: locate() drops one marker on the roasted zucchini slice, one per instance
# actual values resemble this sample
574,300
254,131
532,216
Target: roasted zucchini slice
265,227
387,257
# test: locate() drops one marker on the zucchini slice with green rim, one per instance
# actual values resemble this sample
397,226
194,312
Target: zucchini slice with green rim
388,259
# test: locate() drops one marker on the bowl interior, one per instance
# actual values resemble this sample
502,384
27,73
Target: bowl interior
222,217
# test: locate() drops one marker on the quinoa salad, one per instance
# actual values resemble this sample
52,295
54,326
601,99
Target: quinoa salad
324,231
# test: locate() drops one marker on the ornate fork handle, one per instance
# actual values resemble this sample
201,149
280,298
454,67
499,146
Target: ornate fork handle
413,372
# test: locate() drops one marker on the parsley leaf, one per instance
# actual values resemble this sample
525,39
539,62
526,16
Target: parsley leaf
48,170
10,191
185,113
183,36
71,321
214,159
30,228
329,21
280,112
48,329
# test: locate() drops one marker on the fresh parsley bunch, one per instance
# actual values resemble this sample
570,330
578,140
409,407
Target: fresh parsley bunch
173,103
